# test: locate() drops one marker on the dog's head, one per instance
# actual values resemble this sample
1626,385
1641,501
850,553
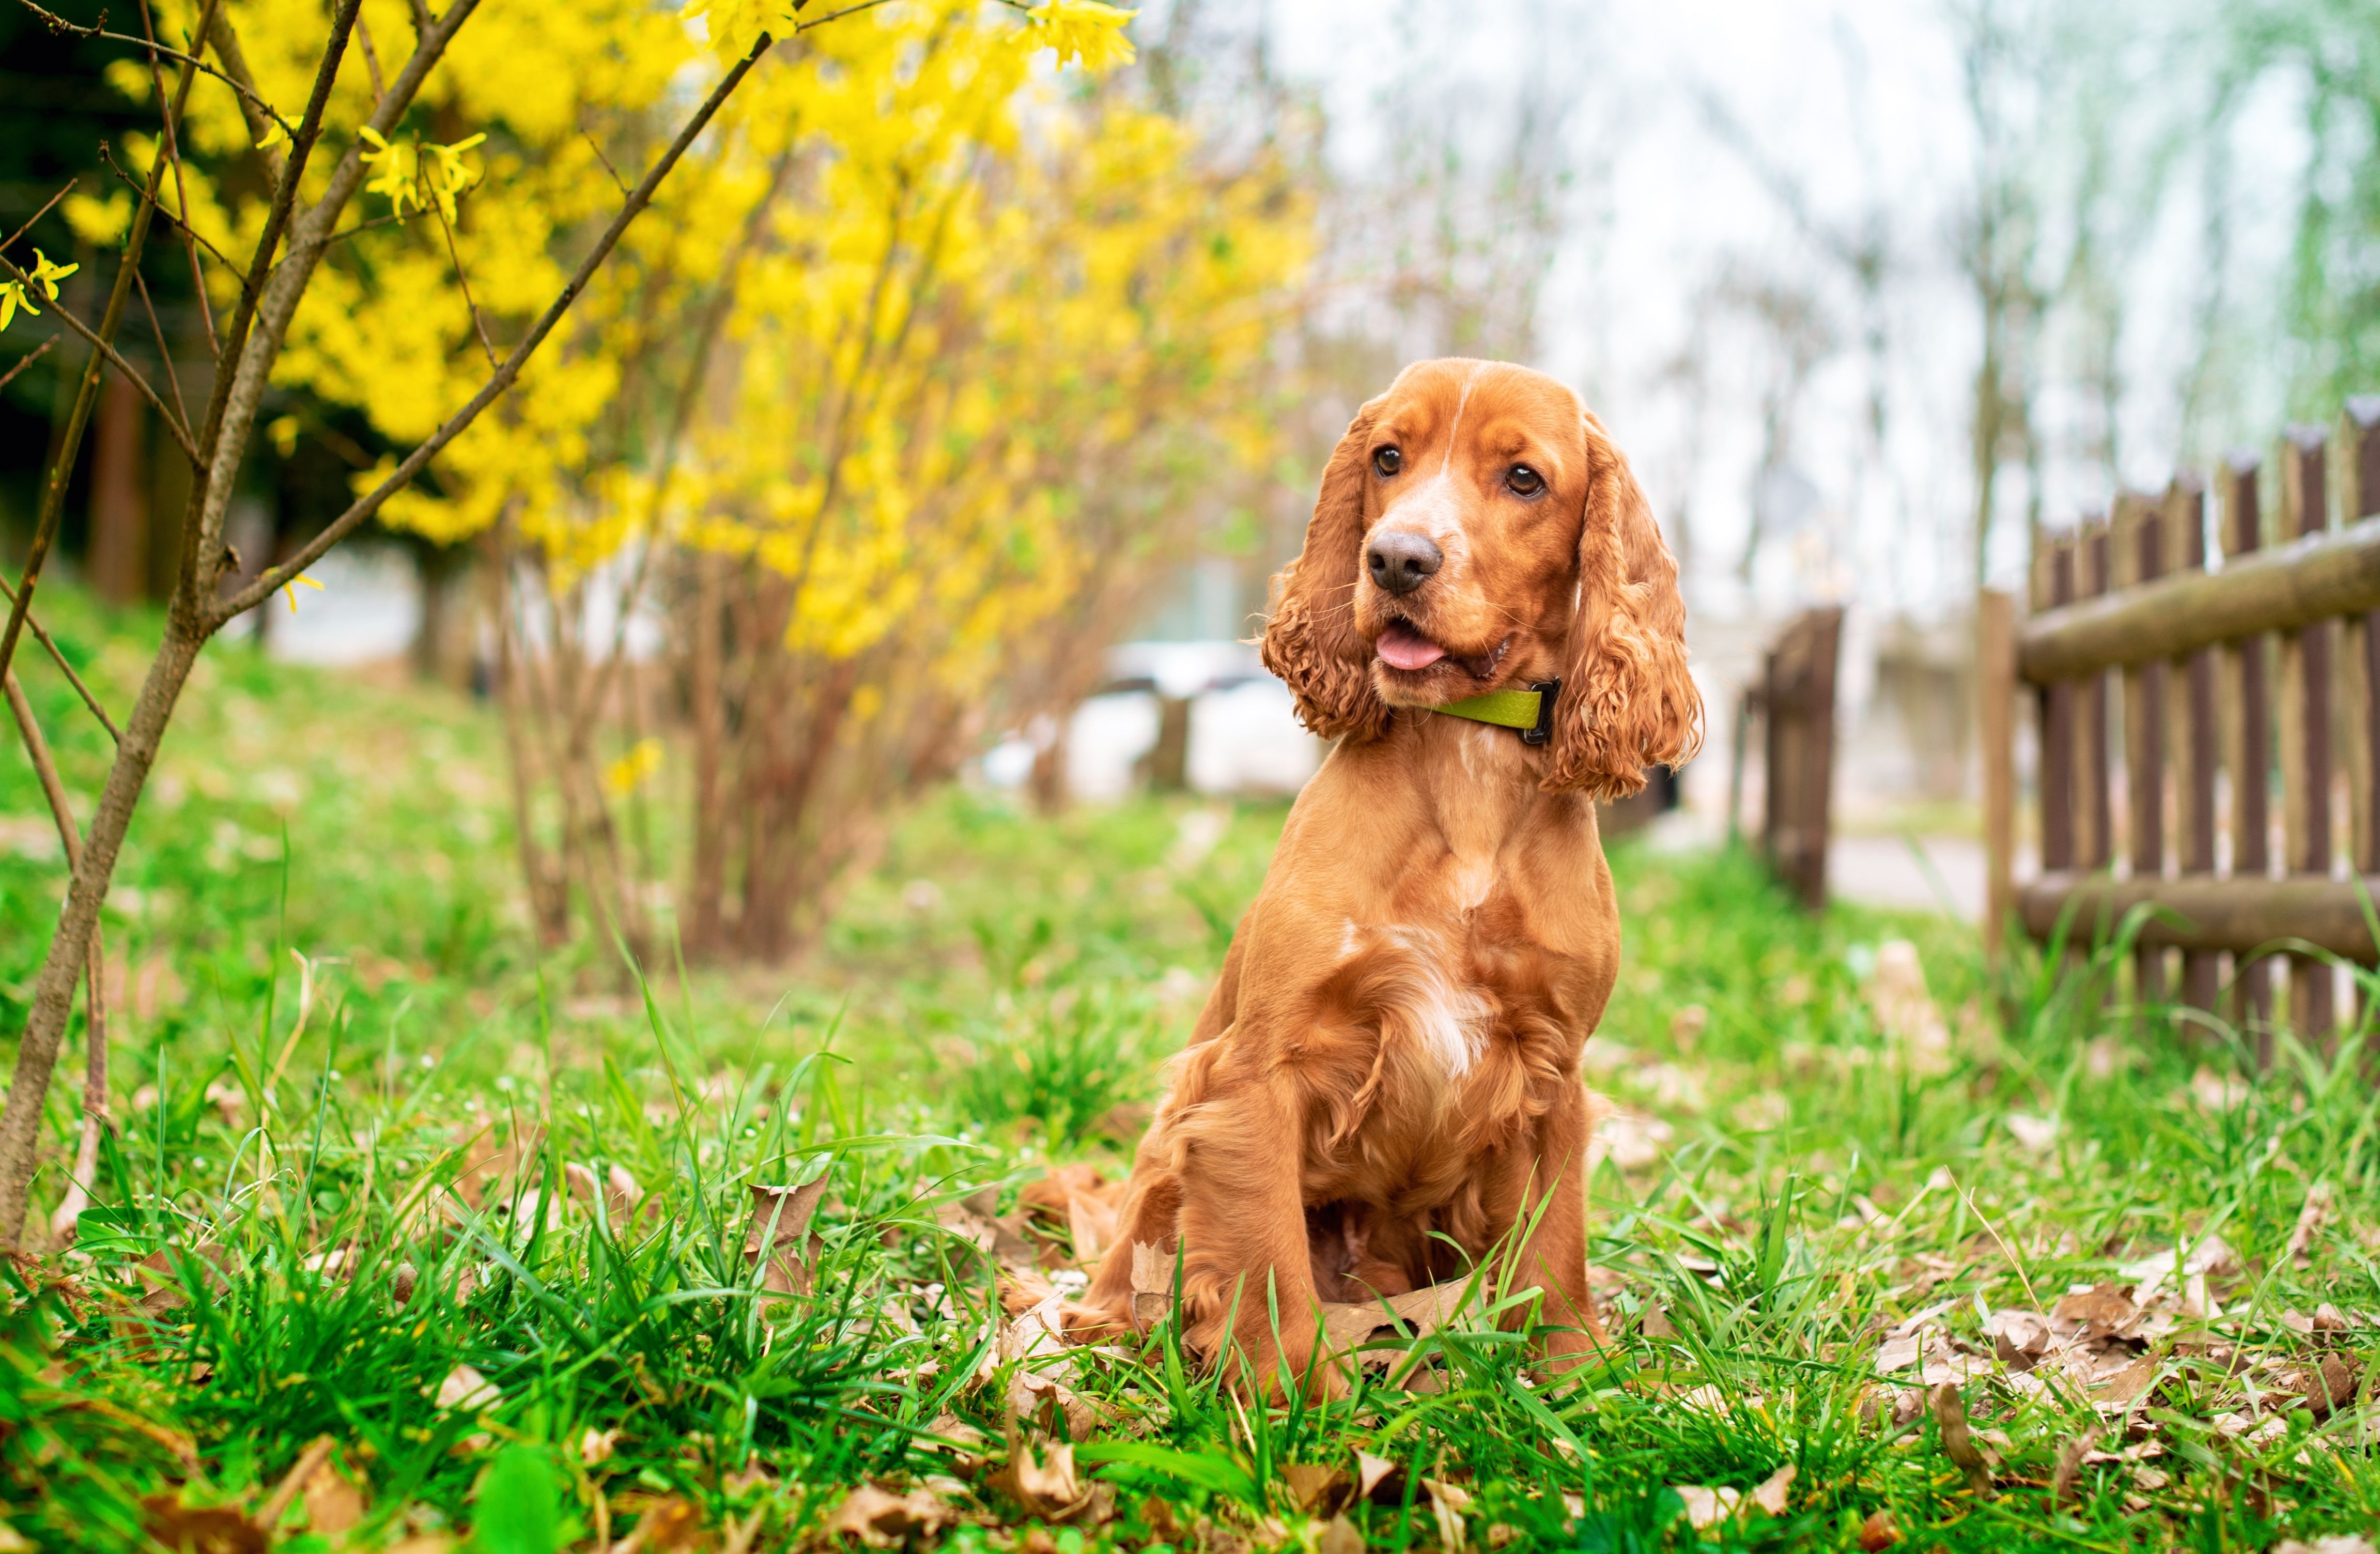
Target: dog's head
1476,530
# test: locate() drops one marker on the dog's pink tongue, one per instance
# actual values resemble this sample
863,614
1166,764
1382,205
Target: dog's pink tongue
1403,648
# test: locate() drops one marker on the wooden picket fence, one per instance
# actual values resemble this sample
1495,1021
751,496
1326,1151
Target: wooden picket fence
1794,703
2181,711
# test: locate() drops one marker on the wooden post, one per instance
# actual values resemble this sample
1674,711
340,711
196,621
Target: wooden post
2360,498
2196,741
2139,533
2249,758
2305,729
1996,693
2097,808
2057,727
1799,699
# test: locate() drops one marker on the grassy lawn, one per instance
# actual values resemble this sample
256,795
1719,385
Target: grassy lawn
411,1238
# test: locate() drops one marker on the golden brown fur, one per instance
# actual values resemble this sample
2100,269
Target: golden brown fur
1384,1082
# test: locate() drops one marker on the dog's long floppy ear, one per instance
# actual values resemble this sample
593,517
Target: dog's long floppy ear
1310,642
1627,702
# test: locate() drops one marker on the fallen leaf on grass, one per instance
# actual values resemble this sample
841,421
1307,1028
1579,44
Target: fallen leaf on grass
672,1522
1958,1441
2310,1219
1078,1200
777,1235
1771,1495
1045,1487
466,1390
2119,1390
595,1447
1369,1472
2342,1542
2036,1133
1707,1508
973,1220
880,1519
1447,1504
1879,1531
2020,1338
2069,1465
1348,1323
2096,1314
1318,1490
200,1529
2327,1384
1340,1537
1152,1283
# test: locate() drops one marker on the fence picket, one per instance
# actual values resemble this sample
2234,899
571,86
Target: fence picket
2196,742
2247,757
2305,728
2140,538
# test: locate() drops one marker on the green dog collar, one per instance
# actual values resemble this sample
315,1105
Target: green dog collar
1531,711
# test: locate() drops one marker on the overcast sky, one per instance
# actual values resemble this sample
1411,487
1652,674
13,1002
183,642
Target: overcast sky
1860,105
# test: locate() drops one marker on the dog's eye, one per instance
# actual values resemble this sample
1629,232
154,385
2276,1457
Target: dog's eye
1523,481
1388,461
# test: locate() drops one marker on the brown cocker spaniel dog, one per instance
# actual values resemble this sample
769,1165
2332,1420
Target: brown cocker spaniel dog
1385,1081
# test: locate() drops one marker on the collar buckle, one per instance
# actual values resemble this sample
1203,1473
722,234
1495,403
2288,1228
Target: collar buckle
1547,691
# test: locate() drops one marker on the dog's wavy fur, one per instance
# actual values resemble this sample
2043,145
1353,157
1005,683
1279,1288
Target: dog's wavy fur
1384,1085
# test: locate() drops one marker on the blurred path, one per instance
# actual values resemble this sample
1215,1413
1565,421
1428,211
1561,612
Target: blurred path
1910,873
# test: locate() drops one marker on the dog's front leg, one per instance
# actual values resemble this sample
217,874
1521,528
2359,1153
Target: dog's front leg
1243,1236
1554,1256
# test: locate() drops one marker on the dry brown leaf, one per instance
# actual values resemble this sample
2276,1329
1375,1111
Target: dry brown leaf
2327,1384
777,1236
1447,1504
1152,1283
2340,1542
880,1519
335,1501
952,1437
2119,1390
2020,1338
1657,1323
1318,1490
1347,1323
1369,1472
672,1522
1339,1536
2101,1312
466,1390
1708,1507
2070,1458
1958,1441
1045,1487
1878,1532
1905,1011
1770,1494
2310,1219
595,1447
200,1529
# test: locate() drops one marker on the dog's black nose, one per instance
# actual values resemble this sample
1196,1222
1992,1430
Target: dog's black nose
1402,560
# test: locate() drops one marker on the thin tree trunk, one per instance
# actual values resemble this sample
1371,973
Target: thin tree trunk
707,888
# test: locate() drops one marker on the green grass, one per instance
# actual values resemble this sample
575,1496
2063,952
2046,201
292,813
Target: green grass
998,996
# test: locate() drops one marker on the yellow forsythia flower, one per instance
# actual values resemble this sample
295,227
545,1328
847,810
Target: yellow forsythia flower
628,774
43,277
1081,29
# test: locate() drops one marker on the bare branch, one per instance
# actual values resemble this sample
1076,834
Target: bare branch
268,297
172,147
226,39
45,525
34,626
597,147
362,510
247,93
173,373
478,324
107,155
61,194
173,424
95,1081
28,360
